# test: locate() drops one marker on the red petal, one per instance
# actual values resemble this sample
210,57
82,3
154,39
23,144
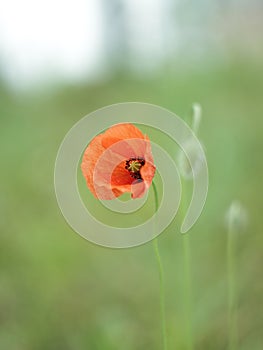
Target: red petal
103,163
121,132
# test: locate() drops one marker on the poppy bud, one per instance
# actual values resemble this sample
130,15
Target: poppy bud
197,115
189,148
236,218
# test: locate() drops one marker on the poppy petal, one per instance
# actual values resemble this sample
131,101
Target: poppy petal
121,132
104,162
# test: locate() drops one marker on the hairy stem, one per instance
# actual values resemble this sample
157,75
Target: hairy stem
232,302
161,280
187,291
187,281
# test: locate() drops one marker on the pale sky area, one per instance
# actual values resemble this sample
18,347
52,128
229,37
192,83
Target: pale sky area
72,39
39,39
43,41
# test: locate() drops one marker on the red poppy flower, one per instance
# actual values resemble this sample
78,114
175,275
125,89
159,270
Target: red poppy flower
118,161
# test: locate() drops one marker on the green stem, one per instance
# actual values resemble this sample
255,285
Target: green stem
187,291
232,303
187,286
161,280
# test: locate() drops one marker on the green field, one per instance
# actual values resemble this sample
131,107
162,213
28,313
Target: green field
58,291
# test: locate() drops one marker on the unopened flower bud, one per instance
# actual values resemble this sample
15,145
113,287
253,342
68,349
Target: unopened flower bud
190,149
197,115
236,217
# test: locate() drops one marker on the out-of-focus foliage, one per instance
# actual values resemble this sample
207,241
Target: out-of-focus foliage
60,292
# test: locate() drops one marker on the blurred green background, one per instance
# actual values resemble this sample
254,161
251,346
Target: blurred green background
58,291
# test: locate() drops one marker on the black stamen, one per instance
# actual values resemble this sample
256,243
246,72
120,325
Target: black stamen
135,174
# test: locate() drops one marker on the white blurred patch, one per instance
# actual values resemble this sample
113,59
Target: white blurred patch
236,218
153,34
48,38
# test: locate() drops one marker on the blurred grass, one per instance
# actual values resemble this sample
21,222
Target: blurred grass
58,291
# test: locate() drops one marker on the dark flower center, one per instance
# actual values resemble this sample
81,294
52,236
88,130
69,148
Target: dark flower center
133,165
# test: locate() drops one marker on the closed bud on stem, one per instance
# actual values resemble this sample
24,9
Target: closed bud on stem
236,218
189,148
197,115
